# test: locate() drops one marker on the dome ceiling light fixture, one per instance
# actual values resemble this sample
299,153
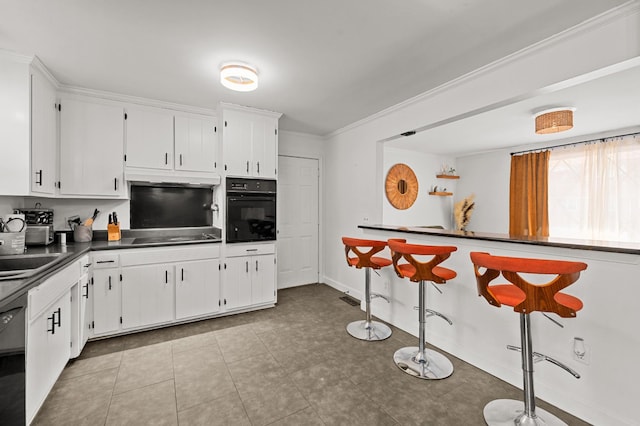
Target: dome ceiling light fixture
239,76
554,120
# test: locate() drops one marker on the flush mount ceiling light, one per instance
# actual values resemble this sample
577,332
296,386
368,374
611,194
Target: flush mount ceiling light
554,120
239,76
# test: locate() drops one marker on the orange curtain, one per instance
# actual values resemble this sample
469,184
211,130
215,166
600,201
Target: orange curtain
528,194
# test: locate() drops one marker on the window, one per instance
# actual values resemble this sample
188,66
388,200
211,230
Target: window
594,190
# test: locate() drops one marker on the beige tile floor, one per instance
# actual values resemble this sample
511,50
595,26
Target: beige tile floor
290,365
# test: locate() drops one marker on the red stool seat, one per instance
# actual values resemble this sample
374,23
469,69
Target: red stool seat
376,262
510,295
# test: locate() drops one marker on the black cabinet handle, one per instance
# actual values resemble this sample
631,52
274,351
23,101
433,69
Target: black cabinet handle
105,261
59,312
86,287
52,330
166,277
256,265
181,159
109,282
247,265
258,164
39,179
115,184
182,274
166,158
88,264
247,167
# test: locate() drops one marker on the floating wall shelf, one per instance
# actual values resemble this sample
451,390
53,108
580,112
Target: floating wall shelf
448,177
441,194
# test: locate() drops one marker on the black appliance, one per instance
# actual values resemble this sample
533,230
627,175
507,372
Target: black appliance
170,206
12,361
251,210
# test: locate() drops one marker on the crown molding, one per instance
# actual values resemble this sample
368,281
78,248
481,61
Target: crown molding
622,11
118,97
236,107
15,57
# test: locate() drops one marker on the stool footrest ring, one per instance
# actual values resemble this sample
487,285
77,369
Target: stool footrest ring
431,312
537,357
374,295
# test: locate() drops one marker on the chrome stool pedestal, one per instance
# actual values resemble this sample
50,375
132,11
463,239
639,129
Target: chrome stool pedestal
368,329
417,360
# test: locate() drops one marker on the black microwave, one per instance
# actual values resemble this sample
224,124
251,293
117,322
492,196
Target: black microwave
251,210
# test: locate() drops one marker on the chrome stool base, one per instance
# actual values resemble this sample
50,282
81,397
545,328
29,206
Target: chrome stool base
509,412
436,367
373,331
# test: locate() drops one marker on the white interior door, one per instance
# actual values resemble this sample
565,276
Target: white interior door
297,218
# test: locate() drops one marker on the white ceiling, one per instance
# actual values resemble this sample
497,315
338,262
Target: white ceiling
324,64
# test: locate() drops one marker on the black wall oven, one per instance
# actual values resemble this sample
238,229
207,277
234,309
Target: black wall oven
251,210
12,361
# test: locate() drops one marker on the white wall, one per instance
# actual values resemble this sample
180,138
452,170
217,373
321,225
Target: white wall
354,194
427,209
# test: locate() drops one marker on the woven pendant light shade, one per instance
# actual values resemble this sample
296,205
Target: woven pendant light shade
554,121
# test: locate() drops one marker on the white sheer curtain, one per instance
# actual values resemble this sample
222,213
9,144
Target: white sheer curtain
594,190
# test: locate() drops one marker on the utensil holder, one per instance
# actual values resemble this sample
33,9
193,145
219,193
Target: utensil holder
113,232
82,234
12,242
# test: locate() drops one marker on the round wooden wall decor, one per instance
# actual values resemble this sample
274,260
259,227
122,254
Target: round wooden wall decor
401,186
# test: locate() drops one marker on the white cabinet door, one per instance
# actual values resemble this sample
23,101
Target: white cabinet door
149,139
237,283
263,279
264,147
236,143
91,149
106,300
43,134
147,295
48,350
195,144
197,288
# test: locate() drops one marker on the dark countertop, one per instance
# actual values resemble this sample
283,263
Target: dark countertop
11,289
595,245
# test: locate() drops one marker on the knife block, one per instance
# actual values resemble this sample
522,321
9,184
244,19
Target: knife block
113,232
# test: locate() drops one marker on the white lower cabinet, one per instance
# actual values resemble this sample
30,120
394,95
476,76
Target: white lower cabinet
106,294
197,288
49,326
249,276
81,309
147,295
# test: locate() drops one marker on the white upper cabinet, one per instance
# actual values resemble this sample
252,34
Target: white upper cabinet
149,138
44,115
249,142
28,128
195,144
91,149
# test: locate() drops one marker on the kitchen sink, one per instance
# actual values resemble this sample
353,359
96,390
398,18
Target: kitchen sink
13,267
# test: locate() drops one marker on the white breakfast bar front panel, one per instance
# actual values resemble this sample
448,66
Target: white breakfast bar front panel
609,289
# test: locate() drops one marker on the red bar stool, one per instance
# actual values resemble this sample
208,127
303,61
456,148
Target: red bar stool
367,329
526,297
419,361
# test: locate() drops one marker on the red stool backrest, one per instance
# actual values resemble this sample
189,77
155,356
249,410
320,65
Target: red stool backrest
423,270
539,297
364,257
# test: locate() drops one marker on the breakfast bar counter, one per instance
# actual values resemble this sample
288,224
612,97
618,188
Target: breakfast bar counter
609,289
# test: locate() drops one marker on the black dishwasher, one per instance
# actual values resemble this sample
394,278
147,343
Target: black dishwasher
12,361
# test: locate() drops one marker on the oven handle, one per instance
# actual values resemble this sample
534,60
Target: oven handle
233,199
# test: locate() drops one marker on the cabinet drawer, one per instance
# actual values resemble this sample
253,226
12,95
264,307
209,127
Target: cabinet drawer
105,260
250,250
50,290
166,255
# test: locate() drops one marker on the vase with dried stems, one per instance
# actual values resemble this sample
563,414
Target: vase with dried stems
462,212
